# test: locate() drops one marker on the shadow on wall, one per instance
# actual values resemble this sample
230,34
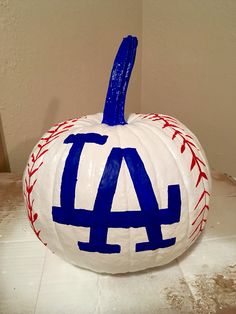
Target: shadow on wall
4,161
21,152
51,115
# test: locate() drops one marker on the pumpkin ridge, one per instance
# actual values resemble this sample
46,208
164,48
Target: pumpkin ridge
131,129
127,202
33,169
198,161
160,134
53,191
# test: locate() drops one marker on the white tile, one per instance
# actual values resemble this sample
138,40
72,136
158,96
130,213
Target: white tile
142,292
145,292
21,266
209,268
14,225
66,288
211,255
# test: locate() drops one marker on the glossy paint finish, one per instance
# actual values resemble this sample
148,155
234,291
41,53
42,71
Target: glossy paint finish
166,163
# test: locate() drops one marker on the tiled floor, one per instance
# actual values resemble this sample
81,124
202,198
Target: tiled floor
33,280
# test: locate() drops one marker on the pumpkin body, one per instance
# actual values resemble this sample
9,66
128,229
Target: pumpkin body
155,162
113,195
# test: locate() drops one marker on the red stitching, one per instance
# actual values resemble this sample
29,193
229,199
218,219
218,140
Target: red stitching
32,168
172,123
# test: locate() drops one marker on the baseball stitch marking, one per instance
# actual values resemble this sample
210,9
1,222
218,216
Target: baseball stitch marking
172,123
34,166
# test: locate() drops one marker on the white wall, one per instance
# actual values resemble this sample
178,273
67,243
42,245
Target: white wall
56,57
55,63
189,70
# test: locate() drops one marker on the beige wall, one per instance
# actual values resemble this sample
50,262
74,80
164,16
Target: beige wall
56,57
55,63
189,70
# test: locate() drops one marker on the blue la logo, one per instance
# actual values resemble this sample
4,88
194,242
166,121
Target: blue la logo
101,218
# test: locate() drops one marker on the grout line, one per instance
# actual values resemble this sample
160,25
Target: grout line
40,282
218,238
185,279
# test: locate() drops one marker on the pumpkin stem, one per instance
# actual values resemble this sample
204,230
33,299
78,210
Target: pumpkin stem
119,80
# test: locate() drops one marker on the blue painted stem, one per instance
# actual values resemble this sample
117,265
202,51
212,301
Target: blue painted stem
119,80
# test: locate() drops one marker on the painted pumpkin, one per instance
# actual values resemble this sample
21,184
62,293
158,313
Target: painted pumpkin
118,196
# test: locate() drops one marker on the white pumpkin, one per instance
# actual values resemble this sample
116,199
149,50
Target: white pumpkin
115,196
